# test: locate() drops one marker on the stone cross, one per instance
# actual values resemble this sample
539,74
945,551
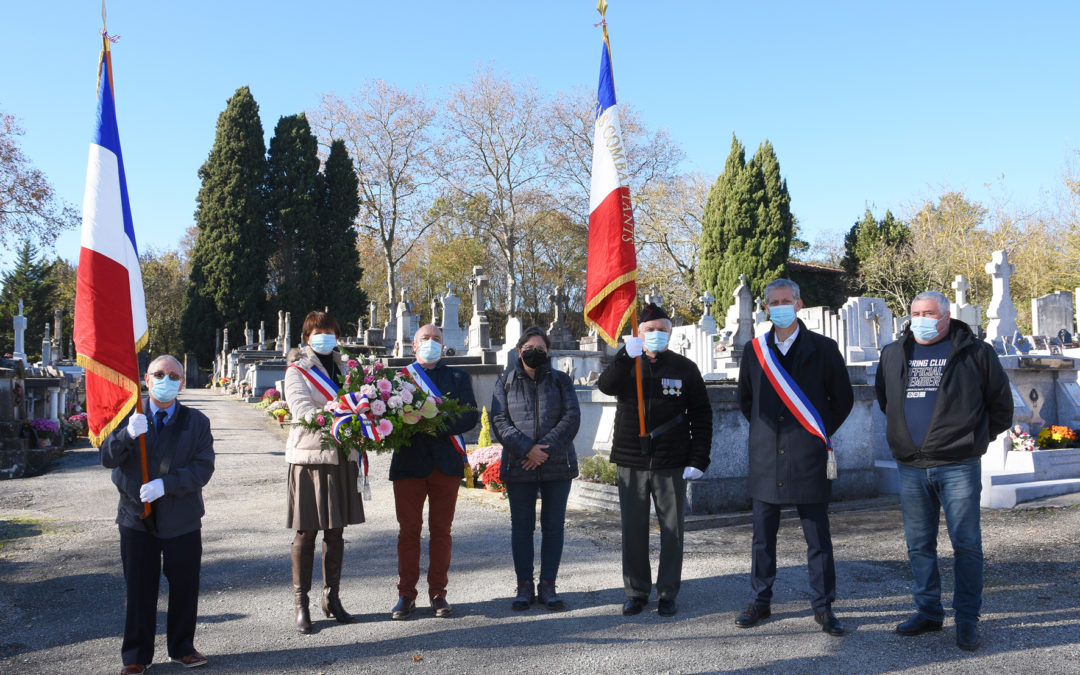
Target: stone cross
708,301
559,304
707,322
961,287
1002,311
249,335
479,283
654,298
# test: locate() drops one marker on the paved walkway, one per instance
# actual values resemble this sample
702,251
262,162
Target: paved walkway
61,590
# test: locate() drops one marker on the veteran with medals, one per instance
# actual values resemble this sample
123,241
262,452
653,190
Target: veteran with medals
795,392
678,421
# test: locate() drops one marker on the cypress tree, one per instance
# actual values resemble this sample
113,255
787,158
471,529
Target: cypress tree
31,280
337,276
864,239
294,190
229,261
747,226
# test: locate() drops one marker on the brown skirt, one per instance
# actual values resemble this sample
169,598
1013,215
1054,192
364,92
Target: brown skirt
323,496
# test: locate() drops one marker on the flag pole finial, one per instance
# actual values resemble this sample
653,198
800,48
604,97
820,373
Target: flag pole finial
601,6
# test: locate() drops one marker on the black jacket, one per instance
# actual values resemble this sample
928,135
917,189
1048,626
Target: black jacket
974,399
787,462
688,443
187,441
543,411
424,453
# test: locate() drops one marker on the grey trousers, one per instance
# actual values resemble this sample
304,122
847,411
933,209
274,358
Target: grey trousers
637,488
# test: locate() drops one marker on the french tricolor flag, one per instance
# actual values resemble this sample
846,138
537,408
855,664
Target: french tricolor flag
610,281
110,313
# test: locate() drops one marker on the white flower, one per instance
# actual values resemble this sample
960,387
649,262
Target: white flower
310,417
394,402
408,386
347,432
378,408
369,391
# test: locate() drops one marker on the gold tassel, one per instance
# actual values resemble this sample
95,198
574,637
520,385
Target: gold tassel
830,466
469,480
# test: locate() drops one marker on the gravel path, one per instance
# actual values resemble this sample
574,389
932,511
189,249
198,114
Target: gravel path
61,589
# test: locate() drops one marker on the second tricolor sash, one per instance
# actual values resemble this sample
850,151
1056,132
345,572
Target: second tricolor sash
420,377
793,398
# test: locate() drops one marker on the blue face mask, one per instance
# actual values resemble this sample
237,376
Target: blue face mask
924,328
164,390
782,316
429,351
323,343
655,341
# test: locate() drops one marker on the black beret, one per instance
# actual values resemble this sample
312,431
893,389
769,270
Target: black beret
653,312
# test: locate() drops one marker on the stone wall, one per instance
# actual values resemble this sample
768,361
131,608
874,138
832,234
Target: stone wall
725,485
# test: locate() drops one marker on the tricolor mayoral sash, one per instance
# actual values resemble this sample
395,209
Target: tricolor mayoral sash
420,377
793,398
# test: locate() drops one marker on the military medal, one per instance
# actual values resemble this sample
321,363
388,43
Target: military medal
671,387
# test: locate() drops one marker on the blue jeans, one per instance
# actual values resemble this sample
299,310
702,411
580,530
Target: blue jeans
522,497
956,488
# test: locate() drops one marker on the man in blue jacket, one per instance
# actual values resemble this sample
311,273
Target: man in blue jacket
430,469
945,397
180,458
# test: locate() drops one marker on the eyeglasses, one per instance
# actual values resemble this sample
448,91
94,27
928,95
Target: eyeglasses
161,374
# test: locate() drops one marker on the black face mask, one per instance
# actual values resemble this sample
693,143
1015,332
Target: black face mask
534,358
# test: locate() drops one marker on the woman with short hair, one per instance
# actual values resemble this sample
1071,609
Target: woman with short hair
536,416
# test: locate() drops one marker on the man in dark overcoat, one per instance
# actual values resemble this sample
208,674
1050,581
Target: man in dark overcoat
787,461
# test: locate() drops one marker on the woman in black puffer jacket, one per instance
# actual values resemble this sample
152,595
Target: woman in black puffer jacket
536,416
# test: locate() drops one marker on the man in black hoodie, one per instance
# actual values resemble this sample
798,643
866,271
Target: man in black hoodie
945,397
678,423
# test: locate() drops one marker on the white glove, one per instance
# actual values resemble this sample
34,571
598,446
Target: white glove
634,346
155,489
691,473
136,425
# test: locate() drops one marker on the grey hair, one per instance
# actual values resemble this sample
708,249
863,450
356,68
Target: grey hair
782,283
939,298
166,357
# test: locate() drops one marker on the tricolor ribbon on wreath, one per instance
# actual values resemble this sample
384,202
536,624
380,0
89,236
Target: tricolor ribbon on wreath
421,379
794,399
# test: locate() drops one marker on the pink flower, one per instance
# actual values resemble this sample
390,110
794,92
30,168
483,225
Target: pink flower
348,379
320,420
377,366
331,405
378,408
368,391
406,396
385,396
384,385
386,427
351,363
368,379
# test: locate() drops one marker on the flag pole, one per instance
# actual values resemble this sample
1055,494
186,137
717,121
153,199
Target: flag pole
106,58
601,6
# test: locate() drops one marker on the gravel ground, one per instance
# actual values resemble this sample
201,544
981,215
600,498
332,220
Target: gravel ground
61,589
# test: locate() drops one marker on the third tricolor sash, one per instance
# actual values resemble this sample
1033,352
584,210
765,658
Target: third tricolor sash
793,398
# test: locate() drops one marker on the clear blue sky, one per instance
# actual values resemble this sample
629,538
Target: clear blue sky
865,102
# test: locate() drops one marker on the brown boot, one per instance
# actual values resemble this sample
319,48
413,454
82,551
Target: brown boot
333,551
303,558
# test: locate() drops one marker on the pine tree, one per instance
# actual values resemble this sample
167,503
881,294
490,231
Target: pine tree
864,239
294,191
337,275
32,281
229,262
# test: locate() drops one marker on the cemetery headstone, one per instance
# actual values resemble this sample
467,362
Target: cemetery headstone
1001,312
707,322
479,329
1052,313
559,332
19,323
453,336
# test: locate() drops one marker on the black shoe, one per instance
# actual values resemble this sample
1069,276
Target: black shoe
917,625
967,636
526,595
829,623
403,609
634,606
547,596
441,607
752,615
666,608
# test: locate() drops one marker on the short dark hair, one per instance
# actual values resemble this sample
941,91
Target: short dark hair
533,331
319,321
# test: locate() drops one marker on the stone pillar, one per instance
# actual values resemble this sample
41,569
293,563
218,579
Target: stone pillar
58,337
286,340
479,329
453,336
19,323
46,348
62,403
249,335
405,328
262,334
54,400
